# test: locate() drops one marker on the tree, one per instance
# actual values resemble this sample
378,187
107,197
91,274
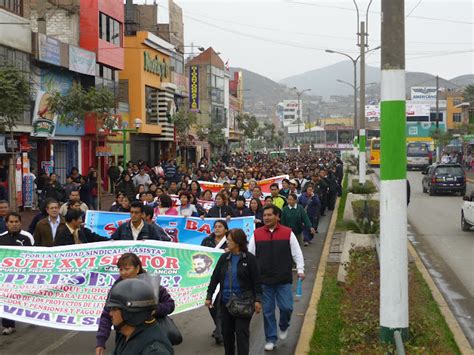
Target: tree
183,121
441,139
469,93
73,106
14,100
248,124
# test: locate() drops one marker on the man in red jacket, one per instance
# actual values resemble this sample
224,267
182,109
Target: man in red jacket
276,248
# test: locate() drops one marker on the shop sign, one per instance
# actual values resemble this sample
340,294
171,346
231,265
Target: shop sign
49,49
47,166
372,113
194,88
82,61
2,144
19,181
417,110
12,144
44,122
103,151
155,66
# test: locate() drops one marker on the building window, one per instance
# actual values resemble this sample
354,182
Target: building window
110,30
457,118
151,97
15,6
457,102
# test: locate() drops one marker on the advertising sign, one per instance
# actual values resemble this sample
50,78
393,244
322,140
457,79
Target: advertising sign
44,122
49,49
2,144
417,110
18,181
372,113
423,94
67,287
194,88
82,61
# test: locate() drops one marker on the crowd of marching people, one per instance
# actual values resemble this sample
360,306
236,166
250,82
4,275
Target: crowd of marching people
254,274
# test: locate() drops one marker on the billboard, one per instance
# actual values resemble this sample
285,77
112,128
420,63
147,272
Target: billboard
423,94
413,109
194,88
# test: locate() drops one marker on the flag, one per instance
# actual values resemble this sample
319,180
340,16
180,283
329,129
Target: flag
227,67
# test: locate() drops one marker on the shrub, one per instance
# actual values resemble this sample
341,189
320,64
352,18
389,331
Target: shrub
373,209
365,189
364,226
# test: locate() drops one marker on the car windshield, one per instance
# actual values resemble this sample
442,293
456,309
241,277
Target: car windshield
449,170
417,148
376,145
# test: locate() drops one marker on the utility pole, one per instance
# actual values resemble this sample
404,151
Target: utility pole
310,138
393,184
438,150
362,139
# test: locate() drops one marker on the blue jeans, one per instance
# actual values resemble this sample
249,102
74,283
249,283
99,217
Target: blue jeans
282,295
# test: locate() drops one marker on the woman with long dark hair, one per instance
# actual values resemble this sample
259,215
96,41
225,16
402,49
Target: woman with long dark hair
238,275
257,211
213,240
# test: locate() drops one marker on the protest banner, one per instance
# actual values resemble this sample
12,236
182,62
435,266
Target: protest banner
66,287
264,184
189,230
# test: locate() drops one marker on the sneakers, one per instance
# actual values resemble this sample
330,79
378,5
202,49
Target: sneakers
269,346
283,334
8,331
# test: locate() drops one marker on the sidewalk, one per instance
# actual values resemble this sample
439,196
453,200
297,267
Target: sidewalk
470,176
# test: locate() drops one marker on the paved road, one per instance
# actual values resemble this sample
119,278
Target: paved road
196,325
447,251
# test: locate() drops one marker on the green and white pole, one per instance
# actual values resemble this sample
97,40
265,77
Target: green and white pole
393,185
362,156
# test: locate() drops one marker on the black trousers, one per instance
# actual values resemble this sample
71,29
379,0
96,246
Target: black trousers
235,327
216,314
8,323
332,196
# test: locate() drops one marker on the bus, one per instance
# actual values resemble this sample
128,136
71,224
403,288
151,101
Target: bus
374,151
419,153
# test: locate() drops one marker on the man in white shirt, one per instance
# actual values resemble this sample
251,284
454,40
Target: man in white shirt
74,196
142,179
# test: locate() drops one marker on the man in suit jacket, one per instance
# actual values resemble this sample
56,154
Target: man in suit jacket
46,229
72,231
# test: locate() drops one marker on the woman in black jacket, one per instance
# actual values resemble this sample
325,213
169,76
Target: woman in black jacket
257,211
242,267
127,187
213,240
220,209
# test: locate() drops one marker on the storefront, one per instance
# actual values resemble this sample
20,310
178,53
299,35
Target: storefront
147,75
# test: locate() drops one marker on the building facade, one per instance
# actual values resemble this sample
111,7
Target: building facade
147,76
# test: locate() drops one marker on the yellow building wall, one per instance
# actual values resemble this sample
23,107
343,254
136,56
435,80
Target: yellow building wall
138,78
451,109
342,121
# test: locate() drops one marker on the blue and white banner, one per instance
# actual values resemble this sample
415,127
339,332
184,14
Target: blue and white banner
189,230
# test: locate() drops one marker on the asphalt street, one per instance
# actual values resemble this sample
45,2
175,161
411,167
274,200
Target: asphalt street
196,325
447,251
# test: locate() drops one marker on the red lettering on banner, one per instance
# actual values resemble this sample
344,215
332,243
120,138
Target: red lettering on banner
191,225
65,264
172,263
85,261
205,228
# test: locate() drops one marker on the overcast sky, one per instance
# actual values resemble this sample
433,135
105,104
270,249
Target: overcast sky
280,38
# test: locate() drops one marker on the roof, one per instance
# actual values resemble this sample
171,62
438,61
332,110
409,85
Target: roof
208,57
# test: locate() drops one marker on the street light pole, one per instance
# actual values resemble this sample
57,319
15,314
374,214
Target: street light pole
393,184
299,94
362,137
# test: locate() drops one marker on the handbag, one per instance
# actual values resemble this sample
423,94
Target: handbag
239,306
170,329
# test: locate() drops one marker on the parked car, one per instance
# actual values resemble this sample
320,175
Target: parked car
444,178
467,213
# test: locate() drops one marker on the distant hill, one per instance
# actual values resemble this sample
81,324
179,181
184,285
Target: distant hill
324,82
463,80
263,94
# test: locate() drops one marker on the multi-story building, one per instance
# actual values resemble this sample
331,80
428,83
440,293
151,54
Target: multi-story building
288,111
88,34
147,77
206,96
454,113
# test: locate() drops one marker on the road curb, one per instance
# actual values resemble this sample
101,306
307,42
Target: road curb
453,324
309,322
